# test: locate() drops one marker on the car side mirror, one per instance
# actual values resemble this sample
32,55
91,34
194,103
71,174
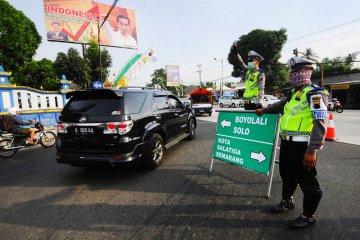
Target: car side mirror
187,104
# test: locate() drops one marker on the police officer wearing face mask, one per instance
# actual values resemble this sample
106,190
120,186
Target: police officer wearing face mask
254,81
302,132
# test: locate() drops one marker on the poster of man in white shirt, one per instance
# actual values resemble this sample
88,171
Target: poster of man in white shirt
121,35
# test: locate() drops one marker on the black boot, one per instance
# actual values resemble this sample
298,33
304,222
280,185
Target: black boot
283,206
302,222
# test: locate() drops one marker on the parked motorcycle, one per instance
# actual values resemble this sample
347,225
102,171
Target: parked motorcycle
335,105
10,143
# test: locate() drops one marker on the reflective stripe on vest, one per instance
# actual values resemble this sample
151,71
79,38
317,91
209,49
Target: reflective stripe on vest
297,119
251,84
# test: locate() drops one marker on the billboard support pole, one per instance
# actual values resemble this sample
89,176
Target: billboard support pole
99,49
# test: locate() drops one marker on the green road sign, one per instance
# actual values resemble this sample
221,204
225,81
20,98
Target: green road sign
244,139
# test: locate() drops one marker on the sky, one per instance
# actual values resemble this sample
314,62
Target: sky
189,33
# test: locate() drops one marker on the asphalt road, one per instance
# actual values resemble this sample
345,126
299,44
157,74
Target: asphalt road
40,199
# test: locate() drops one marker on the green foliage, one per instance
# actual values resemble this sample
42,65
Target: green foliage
159,80
337,65
310,54
268,44
74,67
92,56
38,74
209,85
19,38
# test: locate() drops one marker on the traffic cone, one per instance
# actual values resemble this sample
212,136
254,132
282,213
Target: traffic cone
330,131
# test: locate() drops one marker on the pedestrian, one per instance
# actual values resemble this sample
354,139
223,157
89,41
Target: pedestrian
254,80
302,132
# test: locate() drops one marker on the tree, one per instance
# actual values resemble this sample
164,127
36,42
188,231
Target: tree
269,45
74,67
38,74
310,54
92,56
209,84
19,38
337,65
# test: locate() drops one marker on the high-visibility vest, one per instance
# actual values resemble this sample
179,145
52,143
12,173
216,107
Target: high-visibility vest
297,119
251,84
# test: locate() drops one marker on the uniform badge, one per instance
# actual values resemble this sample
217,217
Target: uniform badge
318,107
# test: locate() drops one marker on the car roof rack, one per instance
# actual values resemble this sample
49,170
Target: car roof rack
141,88
136,87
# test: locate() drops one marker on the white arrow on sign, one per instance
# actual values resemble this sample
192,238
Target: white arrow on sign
97,85
225,123
260,157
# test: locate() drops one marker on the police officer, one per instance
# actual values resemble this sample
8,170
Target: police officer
302,132
254,80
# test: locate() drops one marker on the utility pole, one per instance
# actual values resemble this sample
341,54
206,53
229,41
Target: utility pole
199,71
222,75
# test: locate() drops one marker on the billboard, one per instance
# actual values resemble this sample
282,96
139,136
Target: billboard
172,76
77,22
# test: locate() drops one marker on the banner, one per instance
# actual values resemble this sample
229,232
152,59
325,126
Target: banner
172,76
132,68
78,21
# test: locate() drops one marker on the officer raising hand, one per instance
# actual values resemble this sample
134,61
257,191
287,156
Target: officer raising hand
302,132
254,80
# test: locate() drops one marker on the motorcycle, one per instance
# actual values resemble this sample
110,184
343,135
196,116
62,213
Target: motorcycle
10,143
335,105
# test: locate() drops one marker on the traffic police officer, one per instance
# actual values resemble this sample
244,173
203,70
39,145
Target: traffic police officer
302,133
254,80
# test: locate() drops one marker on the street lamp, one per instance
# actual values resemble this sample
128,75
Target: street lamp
222,75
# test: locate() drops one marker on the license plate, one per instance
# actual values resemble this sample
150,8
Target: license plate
84,130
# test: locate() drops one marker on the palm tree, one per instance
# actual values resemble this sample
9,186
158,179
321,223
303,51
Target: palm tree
310,54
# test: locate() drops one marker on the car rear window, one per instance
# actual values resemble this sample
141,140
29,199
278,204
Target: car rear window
93,107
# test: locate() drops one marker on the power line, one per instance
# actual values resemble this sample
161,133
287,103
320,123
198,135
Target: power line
325,29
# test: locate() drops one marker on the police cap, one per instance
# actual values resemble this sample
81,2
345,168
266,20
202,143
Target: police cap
297,63
254,55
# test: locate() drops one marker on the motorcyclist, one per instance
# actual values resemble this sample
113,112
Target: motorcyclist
17,123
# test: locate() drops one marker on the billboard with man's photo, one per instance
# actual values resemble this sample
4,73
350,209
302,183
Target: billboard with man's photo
77,22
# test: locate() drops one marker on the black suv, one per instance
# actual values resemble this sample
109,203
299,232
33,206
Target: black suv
121,127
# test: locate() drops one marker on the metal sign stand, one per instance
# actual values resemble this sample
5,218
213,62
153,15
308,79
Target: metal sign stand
275,147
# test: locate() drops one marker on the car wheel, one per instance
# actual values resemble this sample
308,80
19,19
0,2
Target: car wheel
155,153
191,129
221,105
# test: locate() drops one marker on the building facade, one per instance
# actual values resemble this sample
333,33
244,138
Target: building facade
33,104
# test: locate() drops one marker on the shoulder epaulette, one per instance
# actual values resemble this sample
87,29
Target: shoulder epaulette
316,88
